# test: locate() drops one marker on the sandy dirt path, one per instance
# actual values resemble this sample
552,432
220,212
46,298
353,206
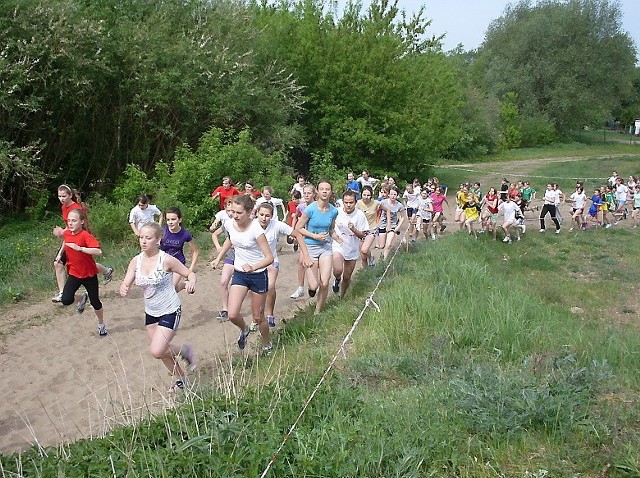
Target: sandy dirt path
62,382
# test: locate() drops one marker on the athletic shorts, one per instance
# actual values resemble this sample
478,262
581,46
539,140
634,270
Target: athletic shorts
257,282
169,321
373,233
316,251
410,212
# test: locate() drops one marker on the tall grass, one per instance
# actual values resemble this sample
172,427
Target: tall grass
474,366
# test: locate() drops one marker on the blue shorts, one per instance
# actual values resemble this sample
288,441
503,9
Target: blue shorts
170,321
411,211
257,282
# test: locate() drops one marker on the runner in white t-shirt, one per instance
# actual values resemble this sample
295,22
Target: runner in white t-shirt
350,227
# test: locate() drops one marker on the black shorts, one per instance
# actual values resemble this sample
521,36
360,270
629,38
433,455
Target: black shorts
257,282
170,321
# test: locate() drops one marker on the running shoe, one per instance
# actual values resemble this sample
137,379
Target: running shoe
253,327
506,239
102,330
177,387
271,320
295,247
242,341
557,231
336,285
443,227
223,315
290,240
541,230
523,227
624,213
267,349
189,357
372,261
108,275
298,293
607,226
433,237
83,303
57,298
312,293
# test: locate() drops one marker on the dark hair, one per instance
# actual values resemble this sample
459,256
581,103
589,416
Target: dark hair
325,181
349,192
249,181
245,201
144,199
368,188
173,210
296,194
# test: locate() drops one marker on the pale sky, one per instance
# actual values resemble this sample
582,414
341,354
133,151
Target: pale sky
466,21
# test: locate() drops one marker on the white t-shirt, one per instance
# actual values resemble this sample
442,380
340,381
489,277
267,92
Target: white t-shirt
558,194
621,192
274,230
350,247
275,202
579,200
550,196
412,199
366,182
509,210
246,245
424,208
139,217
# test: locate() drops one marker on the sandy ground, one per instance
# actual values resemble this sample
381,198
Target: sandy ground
62,382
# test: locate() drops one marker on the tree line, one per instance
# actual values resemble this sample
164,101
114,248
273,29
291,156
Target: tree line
90,87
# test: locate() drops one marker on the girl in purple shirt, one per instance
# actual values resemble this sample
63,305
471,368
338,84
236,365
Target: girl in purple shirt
173,240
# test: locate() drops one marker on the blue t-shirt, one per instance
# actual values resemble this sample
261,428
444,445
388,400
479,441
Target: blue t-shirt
172,242
597,201
353,185
319,222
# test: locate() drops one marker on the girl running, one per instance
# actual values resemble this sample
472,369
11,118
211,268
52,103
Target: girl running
371,210
410,199
549,207
425,211
437,199
227,267
253,255
69,200
81,248
309,196
392,220
273,229
490,212
142,213
153,270
174,238
316,225
578,200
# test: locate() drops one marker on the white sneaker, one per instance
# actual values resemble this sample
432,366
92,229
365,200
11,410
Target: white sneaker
523,227
506,239
298,294
57,298
557,231
541,230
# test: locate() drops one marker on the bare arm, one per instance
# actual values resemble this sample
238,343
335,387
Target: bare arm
128,278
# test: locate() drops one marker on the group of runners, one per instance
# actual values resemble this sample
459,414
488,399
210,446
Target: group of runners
331,234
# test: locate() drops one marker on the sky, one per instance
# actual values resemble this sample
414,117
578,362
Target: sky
466,21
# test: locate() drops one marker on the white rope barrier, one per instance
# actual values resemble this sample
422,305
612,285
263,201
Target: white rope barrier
341,350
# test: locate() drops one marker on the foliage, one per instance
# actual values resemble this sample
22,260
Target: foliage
20,175
558,57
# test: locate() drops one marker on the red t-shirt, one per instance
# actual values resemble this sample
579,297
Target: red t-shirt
292,207
80,264
224,194
67,209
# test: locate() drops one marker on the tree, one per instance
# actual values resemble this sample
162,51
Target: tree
568,61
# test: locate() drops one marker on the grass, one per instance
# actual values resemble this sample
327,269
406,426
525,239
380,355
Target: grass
473,367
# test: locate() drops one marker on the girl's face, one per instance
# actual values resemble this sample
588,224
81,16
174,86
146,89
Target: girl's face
64,197
239,214
410,188
301,180
308,194
264,217
266,194
173,221
391,181
143,205
424,194
384,194
74,223
324,191
149,241
227,208
226,183
393,195
349,204
248,188
350,176
366,195
492,191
